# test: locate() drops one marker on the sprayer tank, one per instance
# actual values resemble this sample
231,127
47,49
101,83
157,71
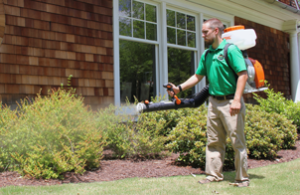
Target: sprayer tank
242,38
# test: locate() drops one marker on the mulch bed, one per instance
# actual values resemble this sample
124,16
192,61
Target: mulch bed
120,169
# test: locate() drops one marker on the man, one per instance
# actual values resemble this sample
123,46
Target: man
226,110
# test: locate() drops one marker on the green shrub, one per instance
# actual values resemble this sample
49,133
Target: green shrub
8,119
130,139
144,138
171,118
292,112
266,133
277,103
188,138
53,135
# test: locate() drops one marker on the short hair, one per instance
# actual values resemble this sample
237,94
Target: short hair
215,23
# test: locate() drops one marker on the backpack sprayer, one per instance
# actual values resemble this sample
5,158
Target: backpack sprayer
243,39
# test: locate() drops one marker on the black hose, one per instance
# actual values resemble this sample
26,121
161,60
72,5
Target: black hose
197,100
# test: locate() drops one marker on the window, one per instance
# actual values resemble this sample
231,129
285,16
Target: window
138,20
156,42
181,38
181,29
137,67
137,58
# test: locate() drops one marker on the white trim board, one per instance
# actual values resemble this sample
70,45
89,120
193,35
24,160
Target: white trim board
257,11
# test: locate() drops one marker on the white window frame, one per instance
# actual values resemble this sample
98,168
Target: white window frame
161,45
117,39
198,41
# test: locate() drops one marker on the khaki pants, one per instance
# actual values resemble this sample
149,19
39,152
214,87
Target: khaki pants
220,124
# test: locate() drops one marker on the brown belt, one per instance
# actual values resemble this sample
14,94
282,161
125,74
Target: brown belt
223,97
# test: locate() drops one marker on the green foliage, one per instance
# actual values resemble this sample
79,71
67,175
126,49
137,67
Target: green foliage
57,133
170,117
277,103
144,138
188,138
50,136
8,119
129,139
292,112
266,133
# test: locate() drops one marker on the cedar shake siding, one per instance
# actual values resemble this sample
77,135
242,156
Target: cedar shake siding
46,41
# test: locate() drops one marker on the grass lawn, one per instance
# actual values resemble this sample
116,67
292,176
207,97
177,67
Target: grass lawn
283,178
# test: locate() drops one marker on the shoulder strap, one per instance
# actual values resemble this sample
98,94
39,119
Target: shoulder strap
205,56
225,56
227,60
226,53
207,51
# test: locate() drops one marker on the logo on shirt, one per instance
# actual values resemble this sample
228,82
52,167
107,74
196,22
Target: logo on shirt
221,57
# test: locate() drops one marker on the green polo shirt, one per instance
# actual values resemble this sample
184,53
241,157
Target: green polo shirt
222,80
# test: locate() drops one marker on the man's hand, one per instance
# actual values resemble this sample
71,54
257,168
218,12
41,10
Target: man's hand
235,107
175,90
192,81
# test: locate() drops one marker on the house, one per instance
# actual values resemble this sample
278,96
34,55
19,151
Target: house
126,49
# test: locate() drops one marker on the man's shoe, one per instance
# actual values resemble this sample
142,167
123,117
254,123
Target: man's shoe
204,181
241,184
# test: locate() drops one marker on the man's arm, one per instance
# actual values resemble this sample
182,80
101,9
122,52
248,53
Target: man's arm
241,82
192,81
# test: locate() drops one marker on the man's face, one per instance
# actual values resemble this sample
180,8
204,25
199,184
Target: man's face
208,34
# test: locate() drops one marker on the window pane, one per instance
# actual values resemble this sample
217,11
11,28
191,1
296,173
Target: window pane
181,20
151,31
181,37
191,39
125,26
150,13
125,8
180,68
171,34
191,23
137,71
185,29
138,29
170,18
138,10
